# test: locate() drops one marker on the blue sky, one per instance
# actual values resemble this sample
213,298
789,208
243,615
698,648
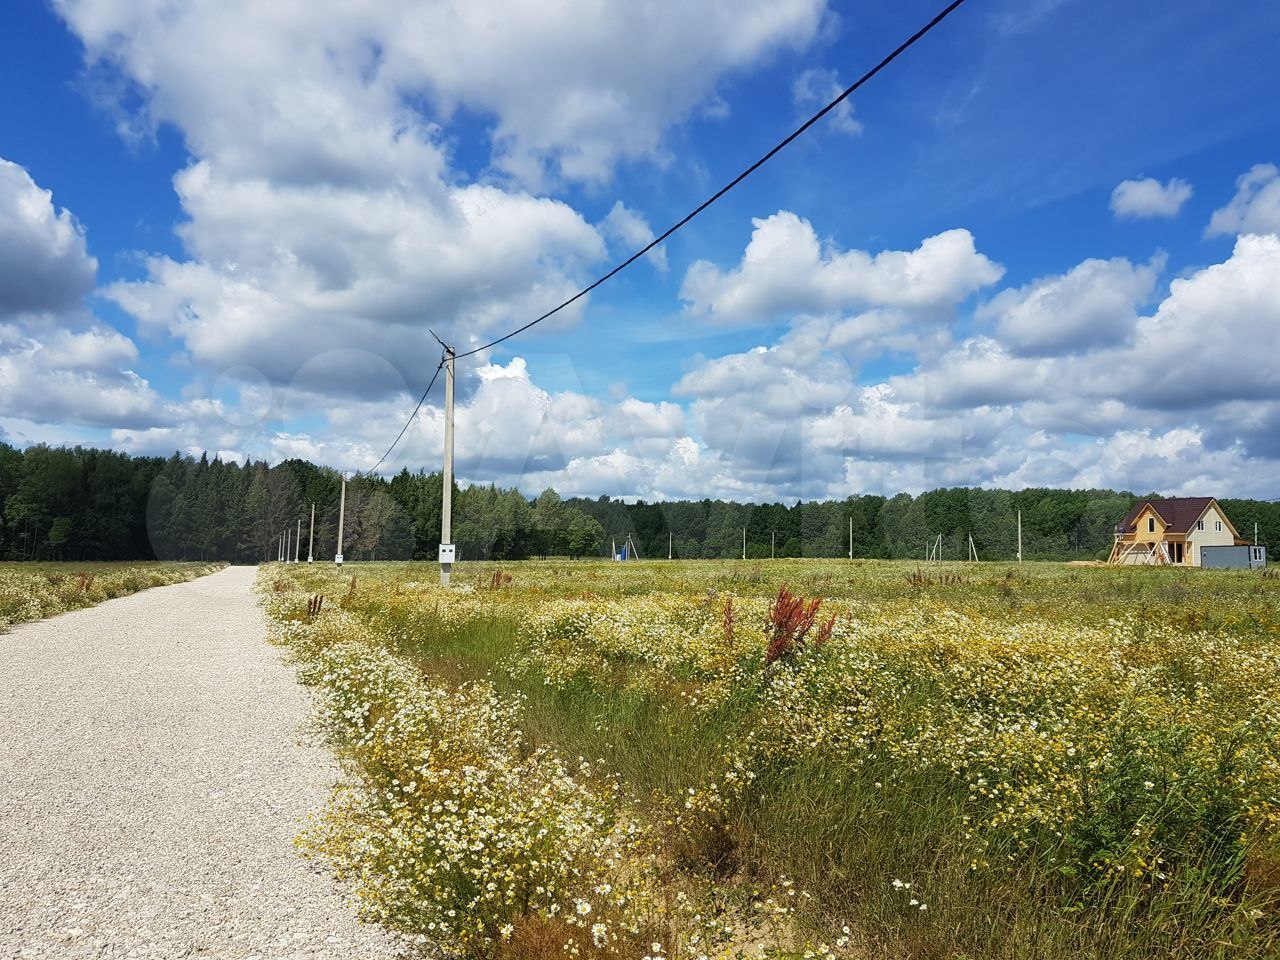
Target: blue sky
1040,249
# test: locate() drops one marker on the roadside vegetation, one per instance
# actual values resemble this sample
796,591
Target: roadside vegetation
33,591
871,759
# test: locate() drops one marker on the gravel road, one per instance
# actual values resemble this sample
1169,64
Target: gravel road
154,769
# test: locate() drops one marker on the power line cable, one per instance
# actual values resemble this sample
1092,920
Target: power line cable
777,148
902,48
421,400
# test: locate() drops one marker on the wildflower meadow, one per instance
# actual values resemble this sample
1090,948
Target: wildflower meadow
799,758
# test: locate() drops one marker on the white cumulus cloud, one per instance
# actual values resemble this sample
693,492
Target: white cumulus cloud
572,87
44,264
786,269
1094,304
1255,208
1148,197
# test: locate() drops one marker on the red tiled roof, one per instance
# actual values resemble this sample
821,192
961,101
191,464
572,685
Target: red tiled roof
1178,513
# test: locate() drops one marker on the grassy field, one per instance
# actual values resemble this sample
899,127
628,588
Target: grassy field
33,591
883,760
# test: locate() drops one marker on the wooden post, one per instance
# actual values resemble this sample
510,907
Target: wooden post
342,515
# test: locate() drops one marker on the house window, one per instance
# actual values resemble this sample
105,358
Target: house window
1199,524
1257,553
1151,524
1218,525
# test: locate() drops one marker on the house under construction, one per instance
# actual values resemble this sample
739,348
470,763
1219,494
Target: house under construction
1175,531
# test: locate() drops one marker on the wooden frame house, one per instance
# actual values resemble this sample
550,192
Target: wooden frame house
1172,531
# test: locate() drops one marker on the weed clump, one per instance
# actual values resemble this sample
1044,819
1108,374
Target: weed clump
790,620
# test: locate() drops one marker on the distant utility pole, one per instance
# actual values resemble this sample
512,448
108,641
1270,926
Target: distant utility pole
447,550
744,543
297,542
973,551
773,544
287,544
851,538
311,537
669,540
1019,536
342,515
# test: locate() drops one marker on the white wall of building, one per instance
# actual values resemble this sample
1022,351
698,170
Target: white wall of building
1216,533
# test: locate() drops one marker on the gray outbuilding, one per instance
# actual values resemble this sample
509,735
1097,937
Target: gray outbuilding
1246,557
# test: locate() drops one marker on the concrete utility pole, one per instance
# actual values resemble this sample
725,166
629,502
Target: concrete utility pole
773,544
1019,536
297,541
744,543
311,537
851,538
669,539
288,543
342,515
447,550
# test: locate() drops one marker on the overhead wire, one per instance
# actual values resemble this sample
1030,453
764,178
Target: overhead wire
421,400
683,221
778,147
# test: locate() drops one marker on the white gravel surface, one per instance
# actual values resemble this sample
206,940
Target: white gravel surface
154,769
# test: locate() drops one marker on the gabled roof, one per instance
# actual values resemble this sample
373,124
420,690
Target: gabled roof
1178,513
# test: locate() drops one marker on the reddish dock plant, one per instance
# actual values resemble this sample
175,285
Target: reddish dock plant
790,620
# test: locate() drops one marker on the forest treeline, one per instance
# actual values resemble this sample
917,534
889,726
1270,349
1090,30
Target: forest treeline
87,504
